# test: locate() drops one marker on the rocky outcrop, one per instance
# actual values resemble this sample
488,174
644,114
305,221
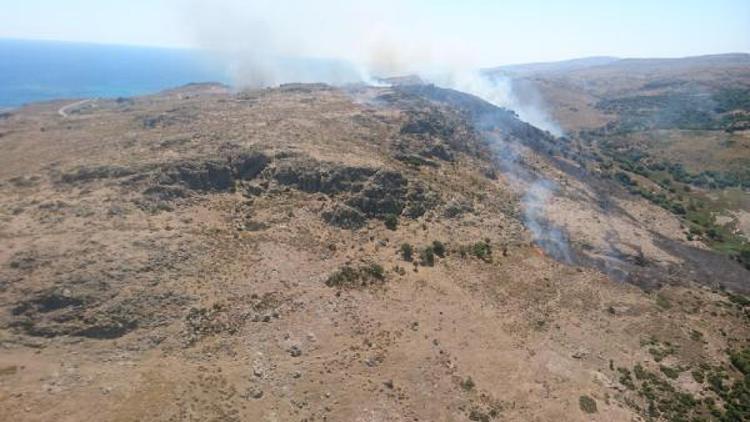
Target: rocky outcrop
89,174
360,192
313,177
365,192
213,174
248,165
384,194
198,175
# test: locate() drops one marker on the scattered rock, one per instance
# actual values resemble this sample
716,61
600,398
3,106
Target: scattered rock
580,354
253,392
88,174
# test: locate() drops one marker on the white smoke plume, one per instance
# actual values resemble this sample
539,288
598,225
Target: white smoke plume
552,239
501,91
267,43
538,195
270,42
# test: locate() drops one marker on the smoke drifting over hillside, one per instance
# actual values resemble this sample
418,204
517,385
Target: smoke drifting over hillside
267,43
271,42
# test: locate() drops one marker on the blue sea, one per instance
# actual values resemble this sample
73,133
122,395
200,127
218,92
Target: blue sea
32,71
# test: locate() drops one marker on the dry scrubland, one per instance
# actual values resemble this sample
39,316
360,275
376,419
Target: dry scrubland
309,253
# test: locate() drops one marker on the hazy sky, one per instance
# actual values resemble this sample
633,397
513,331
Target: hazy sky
484,33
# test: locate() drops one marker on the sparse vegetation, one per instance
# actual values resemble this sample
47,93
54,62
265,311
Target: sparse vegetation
741,360
626,378
391,221
407,252
726,395
482,250
587,404
350,277
290,246
671,373
439,248
662,302
468,384
427,256
697,210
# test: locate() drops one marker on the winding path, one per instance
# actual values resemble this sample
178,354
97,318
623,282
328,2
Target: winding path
63,111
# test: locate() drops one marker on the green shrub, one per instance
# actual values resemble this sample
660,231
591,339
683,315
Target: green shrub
482,250
439,248
587,404
625,378
468,384
639,372
373,271
671,373
662,301
407,252
698,376
427,257
350,277
391,221
741,360
739,300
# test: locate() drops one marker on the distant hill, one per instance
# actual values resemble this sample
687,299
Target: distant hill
590,65
566,65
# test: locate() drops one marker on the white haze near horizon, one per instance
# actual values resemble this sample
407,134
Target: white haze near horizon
266,43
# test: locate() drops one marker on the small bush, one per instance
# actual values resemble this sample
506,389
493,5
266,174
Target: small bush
391,221
662,302
350,277
626,378
374,271
482,250
659,353
468,384
698,376
439,248
739,300
587,404
427,257
640,372
407,252
671,373
741,360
